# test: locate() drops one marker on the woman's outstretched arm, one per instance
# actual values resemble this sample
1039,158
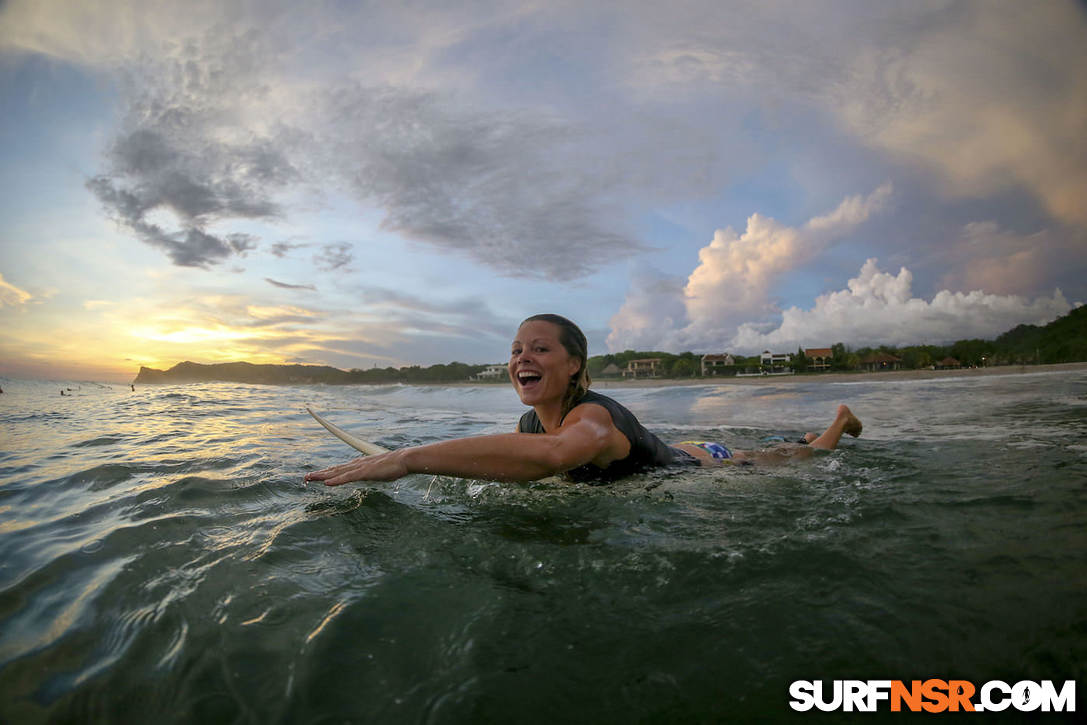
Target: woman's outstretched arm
587,435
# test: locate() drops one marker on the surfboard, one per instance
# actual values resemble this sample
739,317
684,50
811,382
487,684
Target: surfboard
365,447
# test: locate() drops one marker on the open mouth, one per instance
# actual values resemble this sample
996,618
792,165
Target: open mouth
527,378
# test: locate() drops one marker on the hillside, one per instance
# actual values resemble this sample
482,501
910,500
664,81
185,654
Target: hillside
243,372
1063,340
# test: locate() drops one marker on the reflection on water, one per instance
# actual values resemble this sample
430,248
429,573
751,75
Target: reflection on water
160,556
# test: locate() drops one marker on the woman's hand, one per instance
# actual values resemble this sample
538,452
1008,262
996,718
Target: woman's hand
385,467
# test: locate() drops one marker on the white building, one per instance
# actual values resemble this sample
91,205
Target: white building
492,372
775,360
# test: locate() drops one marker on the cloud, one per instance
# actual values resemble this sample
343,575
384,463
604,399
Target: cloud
12,296
213,327
96,32
879,308
513,190
374,325
990,97
985,98
387,326
733,280
188,247
986,256
735,272
469,316
199,182
190,154
226,117
282,249
284,285
652,312
727,301
499,136
333,256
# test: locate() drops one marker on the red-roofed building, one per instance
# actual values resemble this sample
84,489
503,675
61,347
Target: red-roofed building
819,358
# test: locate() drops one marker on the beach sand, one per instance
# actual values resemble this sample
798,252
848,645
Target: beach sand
857,376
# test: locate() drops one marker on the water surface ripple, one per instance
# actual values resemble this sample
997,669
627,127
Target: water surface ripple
161,559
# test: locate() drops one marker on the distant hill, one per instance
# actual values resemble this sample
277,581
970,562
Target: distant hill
1063,340
243,372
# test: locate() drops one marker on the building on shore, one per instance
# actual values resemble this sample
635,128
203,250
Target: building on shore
716,364
819,358
776,362
881,361
649,367
611,371
491,372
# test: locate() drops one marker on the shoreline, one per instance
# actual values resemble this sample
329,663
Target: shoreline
601,384
843,377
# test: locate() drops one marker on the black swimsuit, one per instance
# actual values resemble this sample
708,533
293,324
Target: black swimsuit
646,450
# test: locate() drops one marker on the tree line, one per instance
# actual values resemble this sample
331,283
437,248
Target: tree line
1063,340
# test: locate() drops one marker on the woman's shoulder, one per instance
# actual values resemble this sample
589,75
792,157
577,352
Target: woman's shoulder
621,417
591,396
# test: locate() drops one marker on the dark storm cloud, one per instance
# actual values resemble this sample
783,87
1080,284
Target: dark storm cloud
511,190
190,246
213,134
518,192
202,179
183,151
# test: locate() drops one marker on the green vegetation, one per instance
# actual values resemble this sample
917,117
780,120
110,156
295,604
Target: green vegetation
454,372
684,365
1063,340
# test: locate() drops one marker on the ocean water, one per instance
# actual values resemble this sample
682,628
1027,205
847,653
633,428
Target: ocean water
162,561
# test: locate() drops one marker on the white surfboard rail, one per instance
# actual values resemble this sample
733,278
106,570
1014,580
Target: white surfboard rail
365,447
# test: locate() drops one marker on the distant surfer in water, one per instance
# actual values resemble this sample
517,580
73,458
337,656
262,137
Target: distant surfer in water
572,431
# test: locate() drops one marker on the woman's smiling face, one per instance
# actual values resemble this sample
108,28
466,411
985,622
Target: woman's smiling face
540,368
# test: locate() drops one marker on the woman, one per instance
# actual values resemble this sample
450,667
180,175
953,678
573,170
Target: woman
570,429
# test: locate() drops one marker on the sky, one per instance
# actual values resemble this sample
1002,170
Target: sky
364,184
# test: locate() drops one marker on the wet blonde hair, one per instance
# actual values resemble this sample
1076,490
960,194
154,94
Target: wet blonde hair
573,341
